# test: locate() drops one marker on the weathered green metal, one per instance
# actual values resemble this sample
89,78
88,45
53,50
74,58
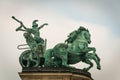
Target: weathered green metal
34,56
73,50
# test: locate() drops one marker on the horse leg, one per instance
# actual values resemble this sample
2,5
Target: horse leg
97,61
95,57
91,49
90,63
48,58
64,60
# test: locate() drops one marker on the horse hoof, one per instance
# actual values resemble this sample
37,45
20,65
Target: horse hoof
98,67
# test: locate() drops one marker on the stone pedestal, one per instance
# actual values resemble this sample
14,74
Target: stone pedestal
54,74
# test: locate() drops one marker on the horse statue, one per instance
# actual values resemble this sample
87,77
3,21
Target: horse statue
74,50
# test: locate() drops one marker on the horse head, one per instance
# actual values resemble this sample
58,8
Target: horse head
84,34
87,36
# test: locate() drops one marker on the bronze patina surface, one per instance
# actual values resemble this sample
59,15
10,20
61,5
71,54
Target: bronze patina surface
59,58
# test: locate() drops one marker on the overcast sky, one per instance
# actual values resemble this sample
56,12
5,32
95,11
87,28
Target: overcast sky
101,17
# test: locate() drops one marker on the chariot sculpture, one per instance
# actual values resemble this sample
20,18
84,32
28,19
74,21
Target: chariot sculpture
73,50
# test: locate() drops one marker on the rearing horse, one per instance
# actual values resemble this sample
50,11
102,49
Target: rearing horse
75,50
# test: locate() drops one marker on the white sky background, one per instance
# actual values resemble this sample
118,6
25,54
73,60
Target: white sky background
101,17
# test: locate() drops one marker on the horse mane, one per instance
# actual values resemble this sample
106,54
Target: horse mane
72,36
81,28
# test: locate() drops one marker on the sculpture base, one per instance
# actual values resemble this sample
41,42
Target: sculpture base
54,74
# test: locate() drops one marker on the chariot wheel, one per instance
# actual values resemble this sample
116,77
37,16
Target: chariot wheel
28,59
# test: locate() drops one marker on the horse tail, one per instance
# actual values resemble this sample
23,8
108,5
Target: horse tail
48,57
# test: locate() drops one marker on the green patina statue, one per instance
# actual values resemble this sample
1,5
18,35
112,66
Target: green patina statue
73,50
34,56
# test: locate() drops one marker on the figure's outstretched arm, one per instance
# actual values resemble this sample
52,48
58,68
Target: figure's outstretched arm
21,25
42,26
20,29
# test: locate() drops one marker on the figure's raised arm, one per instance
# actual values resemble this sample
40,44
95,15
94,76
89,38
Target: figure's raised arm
42,26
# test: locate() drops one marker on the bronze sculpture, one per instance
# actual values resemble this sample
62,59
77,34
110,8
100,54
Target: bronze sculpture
74,50
34,56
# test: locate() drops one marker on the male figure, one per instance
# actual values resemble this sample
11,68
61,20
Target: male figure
33,31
